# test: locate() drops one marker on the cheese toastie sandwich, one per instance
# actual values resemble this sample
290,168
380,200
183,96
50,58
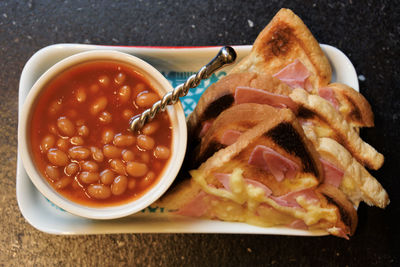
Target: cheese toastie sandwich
271,175
275,143
341,169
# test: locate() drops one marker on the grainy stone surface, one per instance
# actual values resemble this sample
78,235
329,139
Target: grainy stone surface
367,31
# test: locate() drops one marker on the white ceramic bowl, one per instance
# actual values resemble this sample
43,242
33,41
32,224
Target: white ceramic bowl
178,147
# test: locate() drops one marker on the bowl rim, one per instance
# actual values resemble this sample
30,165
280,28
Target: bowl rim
178,143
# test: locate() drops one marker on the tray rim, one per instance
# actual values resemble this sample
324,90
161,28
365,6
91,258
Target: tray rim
219,226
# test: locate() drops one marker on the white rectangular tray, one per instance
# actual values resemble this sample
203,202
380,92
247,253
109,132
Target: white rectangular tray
175,63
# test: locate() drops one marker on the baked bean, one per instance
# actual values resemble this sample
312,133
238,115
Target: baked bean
57,157
52,172
145,142
131,184
127,114
98,105
162,152
120,78
119,185
47,142
66,126
107,177
140,87
76,185
118,166
80,95
107,136
83,130
63,182
124,93
147,180
104,80
99,191
150,128
145,157
79,152
123,140
76,140
105,117
63,144
55,107
71,169
128,155
136,169
97,154
90,166
89,177
94,88
146,100
111,151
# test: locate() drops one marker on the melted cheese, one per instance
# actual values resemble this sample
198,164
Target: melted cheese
242,203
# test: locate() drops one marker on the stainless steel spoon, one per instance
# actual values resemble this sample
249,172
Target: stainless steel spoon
225,56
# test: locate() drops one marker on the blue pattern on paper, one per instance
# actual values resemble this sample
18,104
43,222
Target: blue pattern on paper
190,100
54,205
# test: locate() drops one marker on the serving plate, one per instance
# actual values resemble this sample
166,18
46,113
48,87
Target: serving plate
176,64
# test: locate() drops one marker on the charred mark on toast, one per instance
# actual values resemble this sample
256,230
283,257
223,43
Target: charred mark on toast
213,146
355,113
343,213
290,140
279,43
217,106
305,113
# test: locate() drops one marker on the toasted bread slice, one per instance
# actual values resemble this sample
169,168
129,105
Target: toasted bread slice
220,96
283,134
352,105
243,198
179,195
346,212
357,183
285,39
236,119
343,132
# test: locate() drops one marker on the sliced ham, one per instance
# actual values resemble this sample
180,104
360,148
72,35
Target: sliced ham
298,224
328,94
270,160
205,127
196,207
333,175
229,137
258,96
295,75
224,179
289,200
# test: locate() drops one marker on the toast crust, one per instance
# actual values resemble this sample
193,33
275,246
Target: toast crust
211,105
238,117
285,39
348,215
179,195
358,184
347,136
353,105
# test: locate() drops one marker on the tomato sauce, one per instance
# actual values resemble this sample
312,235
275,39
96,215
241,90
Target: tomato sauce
80,138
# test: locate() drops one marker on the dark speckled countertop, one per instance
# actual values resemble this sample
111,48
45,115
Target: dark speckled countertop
366,31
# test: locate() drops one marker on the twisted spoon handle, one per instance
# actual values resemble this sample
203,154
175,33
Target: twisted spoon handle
225,56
